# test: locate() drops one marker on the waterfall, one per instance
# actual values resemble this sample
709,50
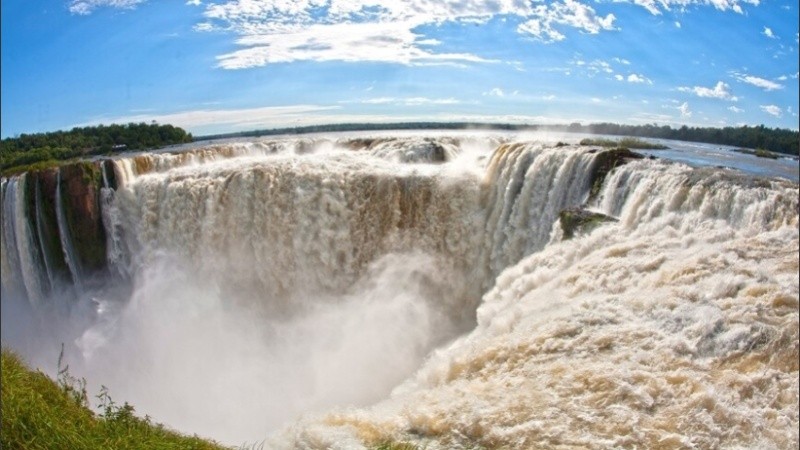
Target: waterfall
50,271
117,256
423,286
12,269
528,185
66,239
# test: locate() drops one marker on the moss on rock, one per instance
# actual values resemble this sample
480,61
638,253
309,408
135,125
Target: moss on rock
575,221
605,162
80,190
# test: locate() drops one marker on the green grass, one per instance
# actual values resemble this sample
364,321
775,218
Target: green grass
38,413
624,142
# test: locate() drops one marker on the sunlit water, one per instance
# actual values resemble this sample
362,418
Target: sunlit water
336,291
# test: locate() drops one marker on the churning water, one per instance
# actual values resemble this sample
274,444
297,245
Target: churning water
336,292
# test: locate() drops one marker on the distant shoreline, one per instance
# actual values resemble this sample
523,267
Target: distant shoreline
777,140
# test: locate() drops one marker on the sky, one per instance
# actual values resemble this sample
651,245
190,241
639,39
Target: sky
237,65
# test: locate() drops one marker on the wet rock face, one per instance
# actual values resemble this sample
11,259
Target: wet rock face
42,211
80,187
576,221
605,162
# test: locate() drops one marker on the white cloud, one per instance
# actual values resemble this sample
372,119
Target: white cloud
570,13
622,61
768,33
760,82
735,109
772,110
275,31
393,42
496,92
633,78
636,78
549,97
684,109
194,2
720,91
656,7
84,7
677,24
594,67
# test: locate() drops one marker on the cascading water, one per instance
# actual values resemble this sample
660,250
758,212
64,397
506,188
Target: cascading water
66,239
260,284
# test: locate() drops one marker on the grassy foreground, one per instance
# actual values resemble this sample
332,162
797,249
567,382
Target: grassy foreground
38,413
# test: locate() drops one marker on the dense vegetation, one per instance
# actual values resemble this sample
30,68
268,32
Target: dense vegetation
773,139
38,413
31,151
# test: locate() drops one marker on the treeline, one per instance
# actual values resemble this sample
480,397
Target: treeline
759,137
28,151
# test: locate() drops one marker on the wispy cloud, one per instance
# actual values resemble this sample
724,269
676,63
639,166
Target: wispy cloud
410,101
735,109
767,85
720,90
636,78
633,78
593,68
393,42
84,7
684,109
656,7
496,92
544,19
768,33
772,110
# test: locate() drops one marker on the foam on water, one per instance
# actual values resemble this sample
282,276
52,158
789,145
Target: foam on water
337,293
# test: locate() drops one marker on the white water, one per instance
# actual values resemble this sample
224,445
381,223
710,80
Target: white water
288,281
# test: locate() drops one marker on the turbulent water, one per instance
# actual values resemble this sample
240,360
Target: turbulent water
339,292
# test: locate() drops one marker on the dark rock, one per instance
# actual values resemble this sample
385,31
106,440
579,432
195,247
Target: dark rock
575,221
80,189
42,214
605,162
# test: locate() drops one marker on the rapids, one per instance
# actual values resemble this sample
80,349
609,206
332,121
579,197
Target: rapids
343,291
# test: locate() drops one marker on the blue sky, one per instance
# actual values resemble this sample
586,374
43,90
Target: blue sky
235,65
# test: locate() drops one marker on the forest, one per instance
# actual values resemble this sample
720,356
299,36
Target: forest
33,151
